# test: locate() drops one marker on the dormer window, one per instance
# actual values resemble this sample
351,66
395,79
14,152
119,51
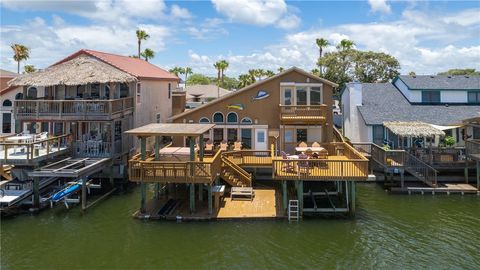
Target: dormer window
430,96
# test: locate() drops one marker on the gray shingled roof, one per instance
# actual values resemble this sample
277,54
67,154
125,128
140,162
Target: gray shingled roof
441,82
8,74
384,102
206,91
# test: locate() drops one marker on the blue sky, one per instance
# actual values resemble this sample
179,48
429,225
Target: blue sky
426,37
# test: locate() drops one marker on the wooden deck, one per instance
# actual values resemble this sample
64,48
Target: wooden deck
460,188
265,205
21,156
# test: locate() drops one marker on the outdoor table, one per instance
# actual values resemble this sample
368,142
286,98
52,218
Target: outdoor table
218,191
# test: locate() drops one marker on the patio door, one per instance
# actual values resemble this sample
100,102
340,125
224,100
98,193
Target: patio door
261,139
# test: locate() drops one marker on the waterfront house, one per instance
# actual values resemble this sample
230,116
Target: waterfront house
7,96
76,112
420,115
200,94
272,142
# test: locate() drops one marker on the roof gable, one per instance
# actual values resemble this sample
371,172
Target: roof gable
134,66
254,85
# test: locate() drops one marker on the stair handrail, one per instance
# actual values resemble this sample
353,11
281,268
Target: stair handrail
237,169
412,161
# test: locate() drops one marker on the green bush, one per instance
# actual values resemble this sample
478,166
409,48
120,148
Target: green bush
449,141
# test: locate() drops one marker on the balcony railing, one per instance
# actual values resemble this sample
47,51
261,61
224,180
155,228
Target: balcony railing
472,148
303,114
27,149
92,149
78,109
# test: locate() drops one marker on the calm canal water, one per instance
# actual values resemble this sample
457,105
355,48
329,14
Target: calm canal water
389,232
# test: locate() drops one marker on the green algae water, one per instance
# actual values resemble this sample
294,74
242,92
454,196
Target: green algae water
388,232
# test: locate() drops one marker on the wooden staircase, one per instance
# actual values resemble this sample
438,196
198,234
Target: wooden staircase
6,172
420,170
234,175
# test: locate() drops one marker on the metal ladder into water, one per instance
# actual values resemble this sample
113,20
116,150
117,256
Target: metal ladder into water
293,210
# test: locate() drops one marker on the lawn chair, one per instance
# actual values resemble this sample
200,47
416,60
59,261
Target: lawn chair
302,144
223,146
315,144
303,165
286,165
237,146
208,150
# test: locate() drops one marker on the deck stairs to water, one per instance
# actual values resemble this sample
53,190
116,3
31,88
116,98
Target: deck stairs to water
293,210
420,170
6,172
234,175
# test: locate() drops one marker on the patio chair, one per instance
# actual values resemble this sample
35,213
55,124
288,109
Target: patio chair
303,165
315,144
237,146
302,144
208,150
223,146
286,165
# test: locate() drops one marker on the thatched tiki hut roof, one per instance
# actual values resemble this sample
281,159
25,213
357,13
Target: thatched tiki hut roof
413,129
78,71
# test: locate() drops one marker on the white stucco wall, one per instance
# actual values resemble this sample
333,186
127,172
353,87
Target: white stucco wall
354,126
454,96
11,96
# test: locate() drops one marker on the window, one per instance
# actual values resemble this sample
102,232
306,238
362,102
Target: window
6,123
117,135
378,134
80,91
159,118
315,96
218,118
232,118
431,96
246,134
302,135
139,93
19,96
217,135
57,128
232,135
246,120
124,90
95,90
107,91
476,133
287,96
474,97
169,90
204,120
301,96
7,103
261,136
32,93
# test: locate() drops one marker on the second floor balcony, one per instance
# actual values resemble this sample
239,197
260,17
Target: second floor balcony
80,109
303,114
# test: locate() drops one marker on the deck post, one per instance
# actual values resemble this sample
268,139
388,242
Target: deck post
200,192
300,195
284,194
157,190
157,148
200,146
210,206
192,198
402,178
353,201
143,188
466,172
110,175
191,142
478,175
36,192
84,194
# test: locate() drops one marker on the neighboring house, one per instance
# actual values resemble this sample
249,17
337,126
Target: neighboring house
291,107
201,94
95,97
442,101
7,96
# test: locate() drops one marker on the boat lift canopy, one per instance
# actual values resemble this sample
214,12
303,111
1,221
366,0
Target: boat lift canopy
71,168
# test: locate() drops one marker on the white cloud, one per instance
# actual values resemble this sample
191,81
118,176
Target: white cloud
210,28
465,18
379,6
258,12
424,43
179,12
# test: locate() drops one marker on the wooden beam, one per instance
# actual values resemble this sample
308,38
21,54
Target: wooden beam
192,198
210,206
478,175
36,192
284,195
143,188
84,194
200,145
157,147
300,195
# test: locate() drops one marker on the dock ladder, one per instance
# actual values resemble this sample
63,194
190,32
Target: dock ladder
293,210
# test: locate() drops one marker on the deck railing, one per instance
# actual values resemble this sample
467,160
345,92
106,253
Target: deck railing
421,170
176,172
472,149
80,108
303,113
250,158
441,157
92,149
27,151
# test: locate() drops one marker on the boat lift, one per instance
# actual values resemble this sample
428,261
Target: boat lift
72,188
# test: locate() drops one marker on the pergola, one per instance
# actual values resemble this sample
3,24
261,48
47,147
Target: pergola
157,130
413,129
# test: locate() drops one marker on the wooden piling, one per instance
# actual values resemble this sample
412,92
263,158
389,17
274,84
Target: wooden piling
284,195
210,206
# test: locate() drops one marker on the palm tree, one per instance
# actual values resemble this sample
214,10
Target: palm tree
321,43
223,66
29,68
280,69
269,73
245,79
345,45
20,52
253,73
186,71
315,71
176,70
148,54
141,35
218,66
